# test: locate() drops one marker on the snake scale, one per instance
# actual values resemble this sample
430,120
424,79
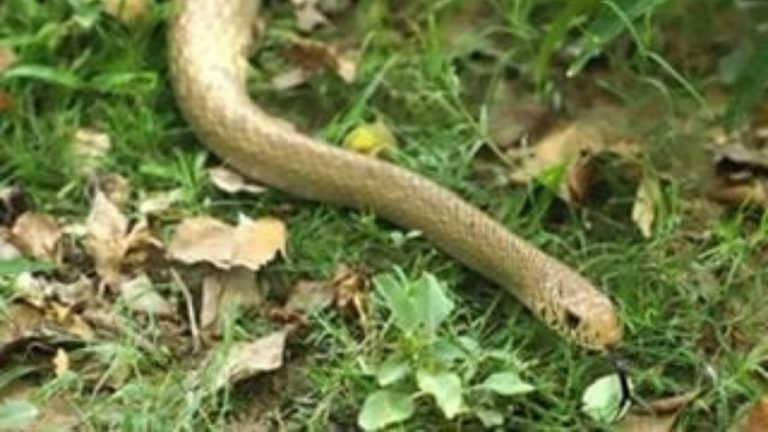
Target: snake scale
209,41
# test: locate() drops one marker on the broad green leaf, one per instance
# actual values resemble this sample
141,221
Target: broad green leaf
602,400
607,25
47,74
15,414
431,301
383,408
391,371
489,418
20,265
396,294
507,384
749,86
446,389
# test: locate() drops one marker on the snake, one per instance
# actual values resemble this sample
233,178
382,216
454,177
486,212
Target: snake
209,43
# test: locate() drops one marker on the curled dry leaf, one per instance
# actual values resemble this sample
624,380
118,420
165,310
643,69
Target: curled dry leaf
646,206
109,241
351,288
225,290
141,296
247,359
663,415
572,147
7,250
7,58
308,16
60,362
312,56
757,421
116,188
371,139
159,202
38,236
127,11
89,149
250,244
232,182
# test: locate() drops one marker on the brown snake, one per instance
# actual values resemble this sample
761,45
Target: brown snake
209,41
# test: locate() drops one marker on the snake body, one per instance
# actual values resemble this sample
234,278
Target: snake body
209,42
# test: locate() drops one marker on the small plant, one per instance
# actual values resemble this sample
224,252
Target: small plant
425,360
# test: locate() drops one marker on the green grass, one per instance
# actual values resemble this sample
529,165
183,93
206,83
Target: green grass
85,69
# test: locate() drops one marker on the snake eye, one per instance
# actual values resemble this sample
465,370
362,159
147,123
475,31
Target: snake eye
571,319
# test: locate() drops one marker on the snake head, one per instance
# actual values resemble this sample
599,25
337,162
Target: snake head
576,309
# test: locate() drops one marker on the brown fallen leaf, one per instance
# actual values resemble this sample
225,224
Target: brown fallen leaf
140,295
232,182
313,55
109,242
7,58
308,16
89,148
116,188
573,148
310,296
225,290
757,421
7,250
351,289
258,242
247,359
639,423
159,202
250,244
71,321
105,239
127,11
646,206
6,101
291,78
60,362
662,416
38,236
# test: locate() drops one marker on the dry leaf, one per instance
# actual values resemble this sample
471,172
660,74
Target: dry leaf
159,202
645,208
110,243
127,11
60,362
105,238
309,297
140,295
314,55
258,242
71,322
251,244
89,149
38,236
232,182
371,139
6,101
351,289
31,289
757,421
7,58
202,239
225,290
117,189
572,147
291,78
308,16
7,250
247,359
79,292
638,423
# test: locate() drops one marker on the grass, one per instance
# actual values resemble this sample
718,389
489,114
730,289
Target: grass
89,70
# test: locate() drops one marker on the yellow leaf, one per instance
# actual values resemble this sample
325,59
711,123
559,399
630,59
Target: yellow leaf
371,139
